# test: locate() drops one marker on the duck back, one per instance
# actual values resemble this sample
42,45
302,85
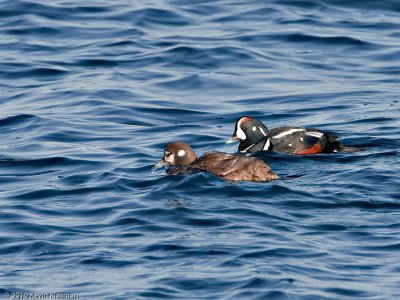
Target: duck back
235,167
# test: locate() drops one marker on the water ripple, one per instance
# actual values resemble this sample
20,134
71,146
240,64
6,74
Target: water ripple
91,93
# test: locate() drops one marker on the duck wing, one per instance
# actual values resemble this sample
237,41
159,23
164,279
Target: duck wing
235,167
302,140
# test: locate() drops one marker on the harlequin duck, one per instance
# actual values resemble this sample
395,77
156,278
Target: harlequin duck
255,136
180,158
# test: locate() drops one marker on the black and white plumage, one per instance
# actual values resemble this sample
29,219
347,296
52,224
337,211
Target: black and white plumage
180,158
254,136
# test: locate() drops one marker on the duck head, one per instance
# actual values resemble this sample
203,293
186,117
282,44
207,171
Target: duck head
177,153
248,131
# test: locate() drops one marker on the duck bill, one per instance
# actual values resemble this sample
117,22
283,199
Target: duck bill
161,163
233,139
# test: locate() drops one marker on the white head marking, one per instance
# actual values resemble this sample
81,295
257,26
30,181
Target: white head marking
181,153
262,131
239,132
169,157
254,128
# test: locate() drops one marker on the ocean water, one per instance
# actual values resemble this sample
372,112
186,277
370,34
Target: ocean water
91,91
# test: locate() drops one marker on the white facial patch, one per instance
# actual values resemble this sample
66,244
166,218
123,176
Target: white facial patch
181,153
287,132
169,157
254,128
318,135
240,133
262,131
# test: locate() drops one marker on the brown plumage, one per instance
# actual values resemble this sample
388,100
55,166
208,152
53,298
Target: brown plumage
182,159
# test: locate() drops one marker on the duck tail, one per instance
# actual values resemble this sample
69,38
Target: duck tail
336,146
348,149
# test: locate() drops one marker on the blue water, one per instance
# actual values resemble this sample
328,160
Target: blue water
90,93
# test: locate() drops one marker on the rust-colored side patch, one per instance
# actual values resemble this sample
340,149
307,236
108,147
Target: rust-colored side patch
313,150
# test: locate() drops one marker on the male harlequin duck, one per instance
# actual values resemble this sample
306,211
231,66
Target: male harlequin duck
180,158
255,136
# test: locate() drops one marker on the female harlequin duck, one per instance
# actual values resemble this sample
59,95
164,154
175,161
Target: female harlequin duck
180,158
255,136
